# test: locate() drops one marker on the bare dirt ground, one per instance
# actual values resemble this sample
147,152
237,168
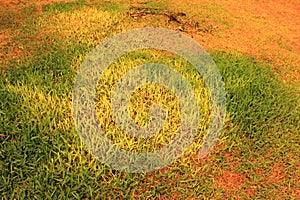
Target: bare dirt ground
25,3
11,10
266,29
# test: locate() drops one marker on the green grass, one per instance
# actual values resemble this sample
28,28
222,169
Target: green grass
62,7
42,155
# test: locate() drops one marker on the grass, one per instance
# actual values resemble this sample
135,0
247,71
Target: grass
43,157
148,95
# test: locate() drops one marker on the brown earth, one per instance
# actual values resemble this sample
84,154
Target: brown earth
267,29
264,29
25,3
11,11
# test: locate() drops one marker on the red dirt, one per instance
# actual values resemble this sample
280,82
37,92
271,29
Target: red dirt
265,29
269,30
26,3
277,174
229,160
230,181
7,36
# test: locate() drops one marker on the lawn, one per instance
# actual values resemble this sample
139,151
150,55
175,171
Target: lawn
42,48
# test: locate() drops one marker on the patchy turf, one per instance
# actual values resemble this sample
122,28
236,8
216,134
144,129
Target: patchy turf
43,46
266,29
